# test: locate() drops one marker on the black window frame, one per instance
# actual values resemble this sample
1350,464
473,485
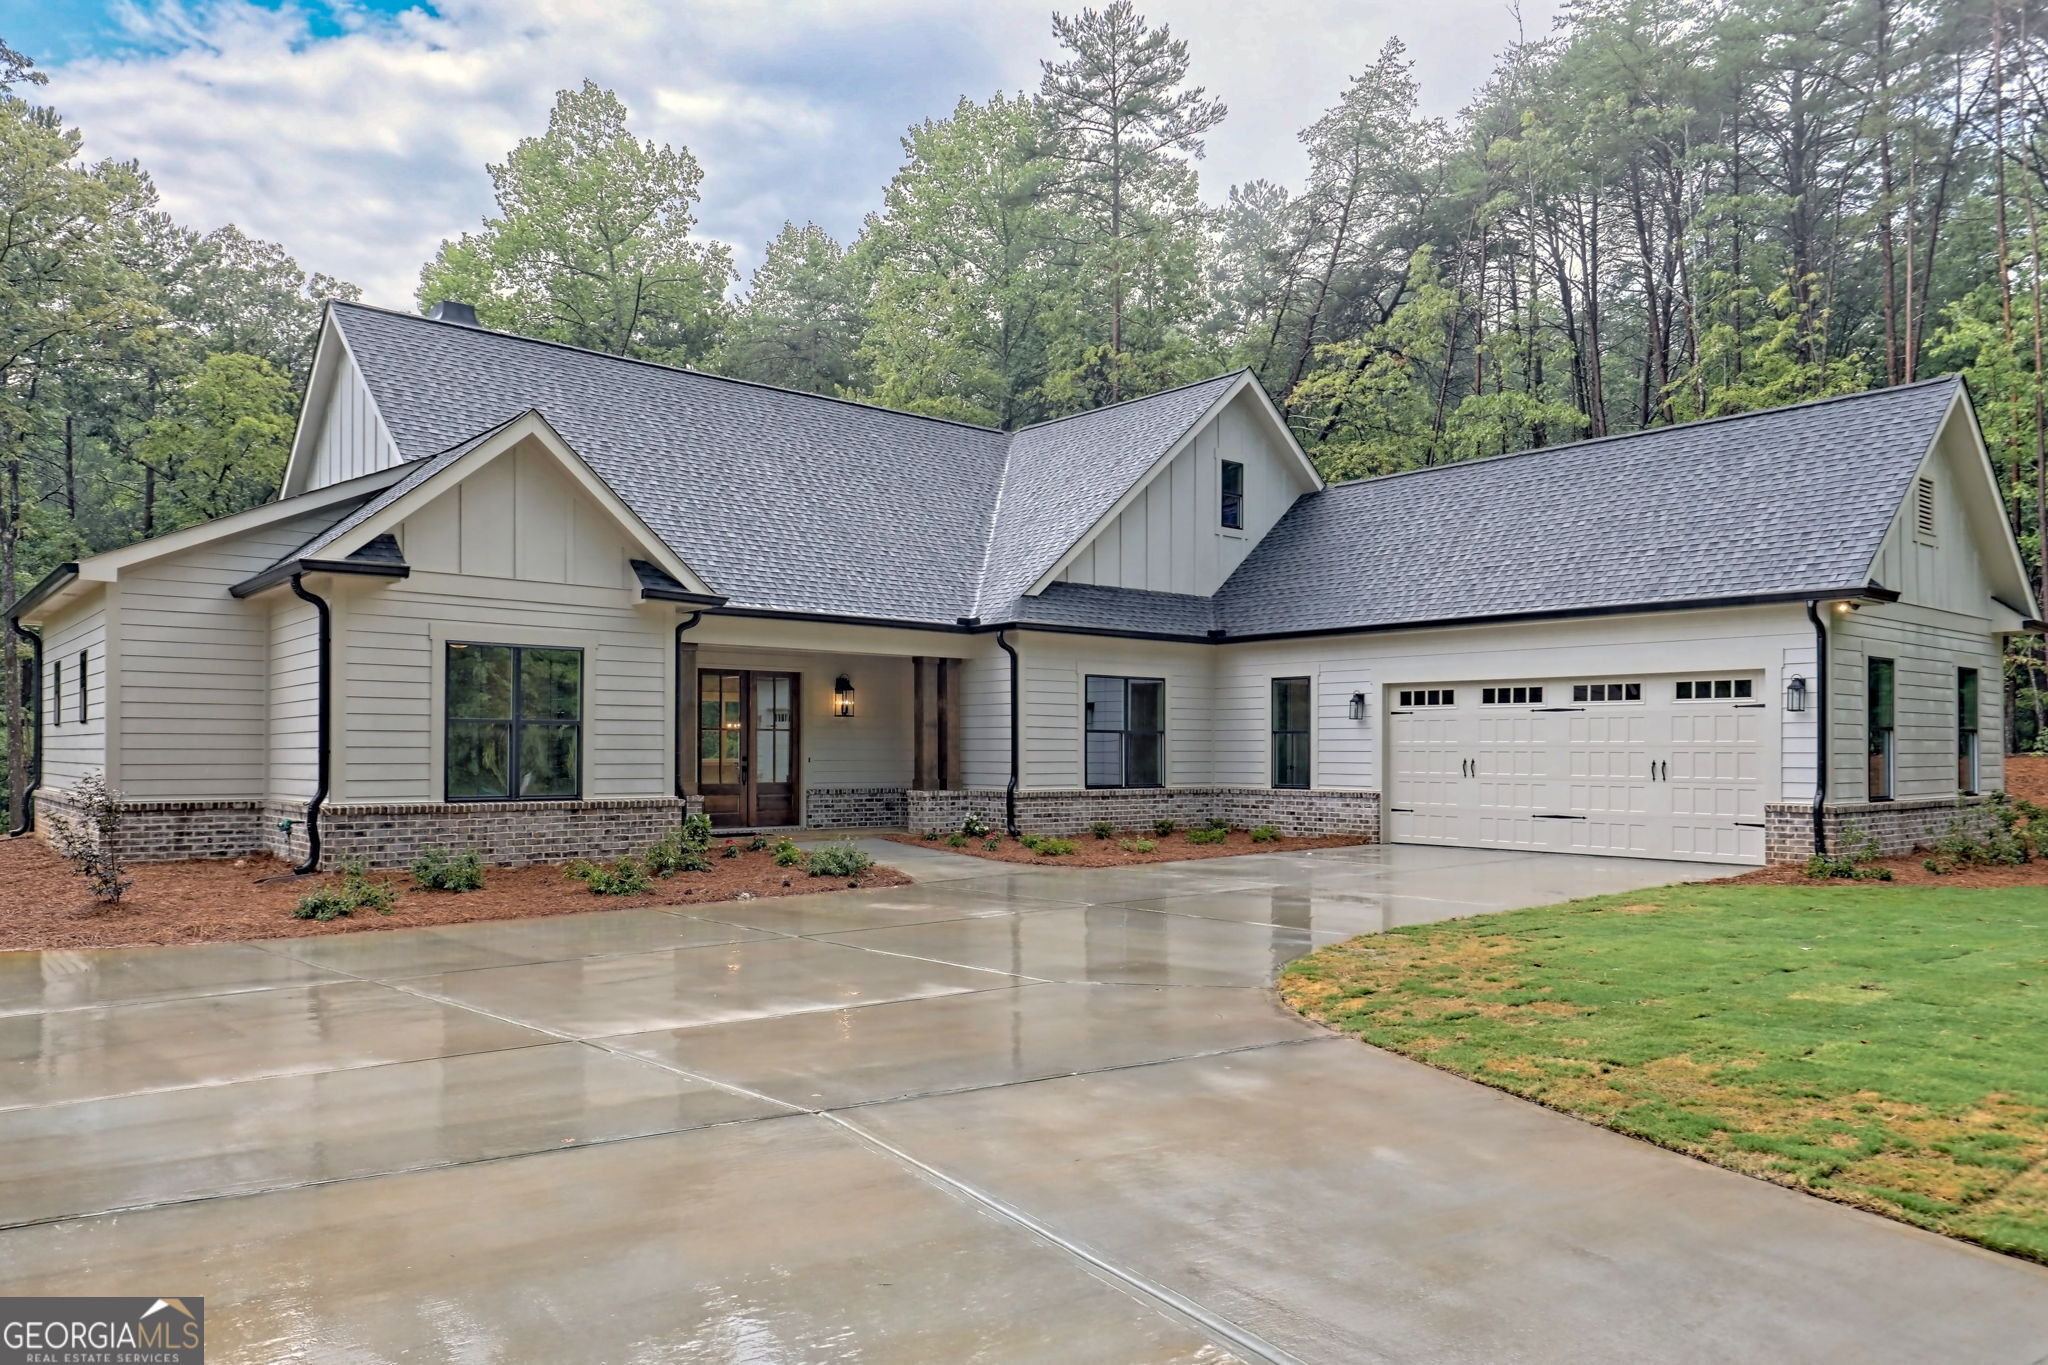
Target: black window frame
515,721
1281,738
57,693
1881,741
84,674
1230,503
1969,718
1089,727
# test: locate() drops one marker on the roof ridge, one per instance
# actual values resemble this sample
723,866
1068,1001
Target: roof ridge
1647,431
664,366
1141,398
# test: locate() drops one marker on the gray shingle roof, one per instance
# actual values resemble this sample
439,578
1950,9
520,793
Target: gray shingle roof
1789,500
791,502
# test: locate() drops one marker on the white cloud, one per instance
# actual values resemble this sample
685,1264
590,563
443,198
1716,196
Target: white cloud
362,150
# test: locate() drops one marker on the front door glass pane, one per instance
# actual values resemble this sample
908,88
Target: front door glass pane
772,723
718,729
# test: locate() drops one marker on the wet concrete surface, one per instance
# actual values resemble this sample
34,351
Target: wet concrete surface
1000,1115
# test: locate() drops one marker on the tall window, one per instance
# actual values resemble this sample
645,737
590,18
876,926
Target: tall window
514,723
1290,732
56,692
1233,495
83,656
1966,730
1126,731
1880,703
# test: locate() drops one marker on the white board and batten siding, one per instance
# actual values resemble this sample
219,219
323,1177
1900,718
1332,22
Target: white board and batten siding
193,672
1170,538
515,554
350,438
73,747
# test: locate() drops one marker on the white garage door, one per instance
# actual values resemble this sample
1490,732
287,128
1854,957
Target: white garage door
1646,767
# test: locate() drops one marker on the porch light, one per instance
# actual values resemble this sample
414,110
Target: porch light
1795,694
842,696
1358,706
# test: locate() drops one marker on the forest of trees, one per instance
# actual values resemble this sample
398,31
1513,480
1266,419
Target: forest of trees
1653,213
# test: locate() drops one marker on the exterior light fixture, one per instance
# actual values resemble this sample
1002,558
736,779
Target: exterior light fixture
1795,694
842,696
1358,706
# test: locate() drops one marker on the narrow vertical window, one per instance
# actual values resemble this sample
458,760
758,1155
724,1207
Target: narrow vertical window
1966,731
1124,732
83,656
1290,733
1233,495
1880,705
56,692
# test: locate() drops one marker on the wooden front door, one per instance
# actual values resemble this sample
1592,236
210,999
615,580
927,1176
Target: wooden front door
747,747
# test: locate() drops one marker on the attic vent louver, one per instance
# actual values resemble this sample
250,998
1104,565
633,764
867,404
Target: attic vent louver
450,310
1923,510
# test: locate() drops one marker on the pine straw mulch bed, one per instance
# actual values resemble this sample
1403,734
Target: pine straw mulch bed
43,904
1090,851
2026,777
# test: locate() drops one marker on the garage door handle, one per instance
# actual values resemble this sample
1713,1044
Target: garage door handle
1557,817
1557,708
1749,824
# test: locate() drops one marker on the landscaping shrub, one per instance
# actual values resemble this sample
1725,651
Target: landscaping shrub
697,832
993,842
1162,828
757,843
842,859
92,849
974,827
1211,835
1137,845
787,854
1049,847
1102,829
1851,863
673,852
2018,834
1223,825
956,840
1265,834
356,892
731,849
626,877
440,869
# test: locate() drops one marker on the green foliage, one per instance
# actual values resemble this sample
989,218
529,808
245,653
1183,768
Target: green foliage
1265,834
1208,835
799,325
957,839
729,849
842,859
1214,822
1046,846
626,877
218,441
686,849
593,244
2017,833
1162,828
787,854
757,843
974,827
992,843
92,846
1102,829
1137,845
356,891
440,869
1852,861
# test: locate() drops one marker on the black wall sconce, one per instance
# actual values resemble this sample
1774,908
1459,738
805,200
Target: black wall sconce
842,696
1358,706
1795,694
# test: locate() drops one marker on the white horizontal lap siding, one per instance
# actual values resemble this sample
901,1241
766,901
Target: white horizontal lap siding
192,672
985,716
1798,731
870,748
1055,721
70,749
1926,648
294,723
1344,754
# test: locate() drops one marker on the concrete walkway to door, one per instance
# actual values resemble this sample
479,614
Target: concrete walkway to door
1002,1115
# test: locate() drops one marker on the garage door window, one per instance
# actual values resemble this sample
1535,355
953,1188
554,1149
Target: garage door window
1607,691
1879,705
1715,689
1290,733
1966,731
1432,696
1126,727
1510,696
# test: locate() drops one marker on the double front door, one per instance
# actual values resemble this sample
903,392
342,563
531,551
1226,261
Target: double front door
747,747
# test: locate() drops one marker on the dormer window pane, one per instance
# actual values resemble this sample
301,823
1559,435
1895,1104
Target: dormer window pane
1233,495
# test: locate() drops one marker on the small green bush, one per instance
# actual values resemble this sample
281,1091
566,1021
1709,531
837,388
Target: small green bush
757,843
1049,847
1136,845
2018,834
1102,829
1211,835
440,869
730,850
1851,863
956,840
673,852
626,877
329,902
931,836
993,842
1265,834
1223,825
1162,828
356,892
841,859
974,827
787,854
697,832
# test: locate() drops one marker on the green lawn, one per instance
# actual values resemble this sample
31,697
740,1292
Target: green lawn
1887,1047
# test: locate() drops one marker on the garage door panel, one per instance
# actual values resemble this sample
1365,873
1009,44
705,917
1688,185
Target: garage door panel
1652,773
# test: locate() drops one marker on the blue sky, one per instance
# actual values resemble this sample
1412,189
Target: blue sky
356,131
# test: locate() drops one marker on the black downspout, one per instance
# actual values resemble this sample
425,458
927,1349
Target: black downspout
682,714
1016,728
35,706
323,687
1821,756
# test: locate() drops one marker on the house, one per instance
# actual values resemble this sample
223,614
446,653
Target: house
537,601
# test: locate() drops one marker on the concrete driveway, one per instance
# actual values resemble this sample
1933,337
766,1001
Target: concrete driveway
1037,1115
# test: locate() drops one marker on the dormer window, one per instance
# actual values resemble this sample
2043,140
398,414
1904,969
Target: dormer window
1233,496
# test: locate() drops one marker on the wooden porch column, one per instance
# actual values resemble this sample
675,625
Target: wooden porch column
935,761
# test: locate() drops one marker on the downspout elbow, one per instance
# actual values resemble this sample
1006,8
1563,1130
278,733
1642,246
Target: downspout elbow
1821,753
1016,732
324,710
34,702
